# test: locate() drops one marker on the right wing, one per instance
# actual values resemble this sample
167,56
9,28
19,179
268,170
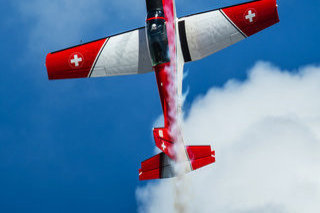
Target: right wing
206,33
122,54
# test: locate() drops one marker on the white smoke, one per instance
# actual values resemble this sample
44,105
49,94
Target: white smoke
180,164
266,133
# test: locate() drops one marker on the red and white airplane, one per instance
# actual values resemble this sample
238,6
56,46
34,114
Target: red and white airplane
164,45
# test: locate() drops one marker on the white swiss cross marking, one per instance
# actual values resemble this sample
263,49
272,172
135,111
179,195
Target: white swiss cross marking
76,60
250,16
161,133
163,146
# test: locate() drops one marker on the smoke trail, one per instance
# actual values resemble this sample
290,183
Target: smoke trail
181,165
266,132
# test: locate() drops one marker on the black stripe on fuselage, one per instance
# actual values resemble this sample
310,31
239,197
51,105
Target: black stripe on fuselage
184,41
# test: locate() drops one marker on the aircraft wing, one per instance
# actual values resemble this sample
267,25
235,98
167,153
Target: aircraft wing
205,33
122,54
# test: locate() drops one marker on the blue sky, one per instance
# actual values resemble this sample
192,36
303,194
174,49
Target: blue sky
76,145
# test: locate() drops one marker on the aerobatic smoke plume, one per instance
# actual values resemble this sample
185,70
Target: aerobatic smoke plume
266,133
175,113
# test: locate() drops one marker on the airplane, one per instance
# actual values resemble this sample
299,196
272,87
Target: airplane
163,46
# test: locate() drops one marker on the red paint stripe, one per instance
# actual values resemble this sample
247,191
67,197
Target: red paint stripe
155,18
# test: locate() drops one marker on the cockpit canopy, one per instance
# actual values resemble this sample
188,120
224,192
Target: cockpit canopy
157,37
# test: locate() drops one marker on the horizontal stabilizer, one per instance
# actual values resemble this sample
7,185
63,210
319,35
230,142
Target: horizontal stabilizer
157,167
200,156
162,166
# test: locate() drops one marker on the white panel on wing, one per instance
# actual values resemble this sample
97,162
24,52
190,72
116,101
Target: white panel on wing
208,33
124,54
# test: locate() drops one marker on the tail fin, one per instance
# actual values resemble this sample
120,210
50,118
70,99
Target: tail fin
164,141
161,166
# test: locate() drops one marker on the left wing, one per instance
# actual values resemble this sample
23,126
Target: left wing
122,54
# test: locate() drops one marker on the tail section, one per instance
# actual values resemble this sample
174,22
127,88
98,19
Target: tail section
163,165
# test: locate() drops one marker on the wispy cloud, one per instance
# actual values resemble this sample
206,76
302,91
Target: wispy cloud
266,133
59,23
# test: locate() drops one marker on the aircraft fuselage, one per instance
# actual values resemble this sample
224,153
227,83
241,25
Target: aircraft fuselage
162,43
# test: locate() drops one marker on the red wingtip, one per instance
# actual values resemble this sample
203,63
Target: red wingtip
74,62
253,17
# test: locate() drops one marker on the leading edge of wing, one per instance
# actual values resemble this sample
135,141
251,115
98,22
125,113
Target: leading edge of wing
96,40
221,8
144,27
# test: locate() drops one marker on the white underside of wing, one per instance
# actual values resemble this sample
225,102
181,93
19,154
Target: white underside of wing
208,33
124,54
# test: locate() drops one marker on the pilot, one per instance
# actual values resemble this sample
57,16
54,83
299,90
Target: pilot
154,27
